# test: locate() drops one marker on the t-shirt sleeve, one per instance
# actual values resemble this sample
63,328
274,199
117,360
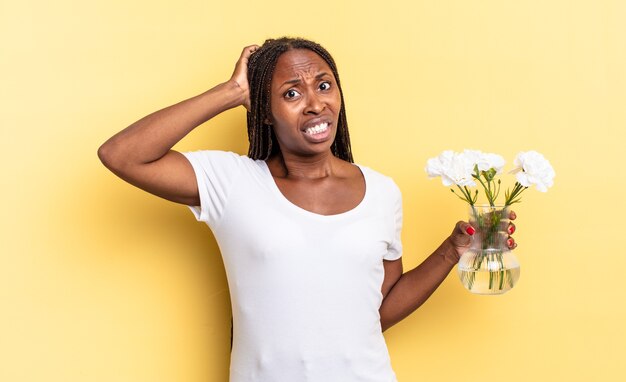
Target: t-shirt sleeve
394,250
215,172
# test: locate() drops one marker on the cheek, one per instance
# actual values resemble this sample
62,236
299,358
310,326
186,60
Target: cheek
283,113
281,124
336,101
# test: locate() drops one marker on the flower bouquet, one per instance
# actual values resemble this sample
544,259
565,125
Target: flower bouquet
489,266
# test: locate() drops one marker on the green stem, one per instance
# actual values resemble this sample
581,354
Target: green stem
497,192
501,262
466,194
486,190
517,190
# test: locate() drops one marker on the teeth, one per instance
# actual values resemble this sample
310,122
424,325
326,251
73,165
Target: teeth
317,129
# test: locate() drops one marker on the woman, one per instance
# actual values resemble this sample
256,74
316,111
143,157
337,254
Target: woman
310,241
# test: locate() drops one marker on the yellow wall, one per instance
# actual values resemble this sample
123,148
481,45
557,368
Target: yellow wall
102,282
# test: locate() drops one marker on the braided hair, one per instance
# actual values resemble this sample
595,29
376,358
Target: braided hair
263,142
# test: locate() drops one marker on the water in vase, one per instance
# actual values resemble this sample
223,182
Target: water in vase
484,281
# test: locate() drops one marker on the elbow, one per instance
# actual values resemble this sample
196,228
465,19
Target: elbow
386,324
110,157
105,154
385,320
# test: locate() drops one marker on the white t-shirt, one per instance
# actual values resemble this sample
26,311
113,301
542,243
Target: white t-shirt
305,288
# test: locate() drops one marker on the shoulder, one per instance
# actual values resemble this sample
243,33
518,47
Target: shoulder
222,166
224,159
216,155
379,180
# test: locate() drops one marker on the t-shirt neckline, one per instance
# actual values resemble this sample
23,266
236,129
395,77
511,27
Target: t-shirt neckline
301,210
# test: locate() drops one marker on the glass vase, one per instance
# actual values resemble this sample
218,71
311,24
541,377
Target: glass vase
489,266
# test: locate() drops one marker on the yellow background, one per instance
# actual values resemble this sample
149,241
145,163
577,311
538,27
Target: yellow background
102,282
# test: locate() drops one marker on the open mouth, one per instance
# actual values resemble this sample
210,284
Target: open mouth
318,129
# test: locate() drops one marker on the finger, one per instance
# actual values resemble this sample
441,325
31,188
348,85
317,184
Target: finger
464,228
242,62
470,230
512,215
511,228
510,242
461,236
241,66
248,50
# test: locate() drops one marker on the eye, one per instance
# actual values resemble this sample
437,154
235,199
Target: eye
291,93
325,85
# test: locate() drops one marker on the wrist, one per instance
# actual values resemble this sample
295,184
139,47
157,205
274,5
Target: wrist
448,252
239,93
224,96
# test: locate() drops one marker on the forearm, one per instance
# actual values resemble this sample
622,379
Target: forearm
415,286
153,136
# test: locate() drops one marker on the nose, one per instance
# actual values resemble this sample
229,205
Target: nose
314,104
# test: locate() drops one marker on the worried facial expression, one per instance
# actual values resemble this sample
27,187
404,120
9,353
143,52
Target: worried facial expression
305,103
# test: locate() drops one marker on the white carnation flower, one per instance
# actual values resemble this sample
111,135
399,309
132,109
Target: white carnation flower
532,168
453,168
485,161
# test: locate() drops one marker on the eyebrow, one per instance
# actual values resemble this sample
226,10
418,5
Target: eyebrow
297,80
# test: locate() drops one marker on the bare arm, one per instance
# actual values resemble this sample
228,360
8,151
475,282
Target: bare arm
141,154
403,293
406,292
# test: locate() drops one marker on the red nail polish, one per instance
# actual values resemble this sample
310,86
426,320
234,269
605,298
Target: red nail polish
470,230
511,229
511,243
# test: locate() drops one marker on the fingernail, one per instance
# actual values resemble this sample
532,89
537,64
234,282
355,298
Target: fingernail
512,215
470,230
511,229
510,243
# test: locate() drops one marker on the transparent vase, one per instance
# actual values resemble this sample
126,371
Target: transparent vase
489,266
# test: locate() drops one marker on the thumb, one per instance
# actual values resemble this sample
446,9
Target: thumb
462,234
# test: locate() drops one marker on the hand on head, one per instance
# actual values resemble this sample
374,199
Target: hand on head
240,74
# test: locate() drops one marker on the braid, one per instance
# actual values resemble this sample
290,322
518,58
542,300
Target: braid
261,65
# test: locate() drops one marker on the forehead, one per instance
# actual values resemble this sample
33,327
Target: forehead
299,63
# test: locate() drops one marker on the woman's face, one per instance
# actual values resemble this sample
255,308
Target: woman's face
305,103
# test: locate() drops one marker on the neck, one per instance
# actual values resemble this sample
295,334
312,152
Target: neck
313,167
